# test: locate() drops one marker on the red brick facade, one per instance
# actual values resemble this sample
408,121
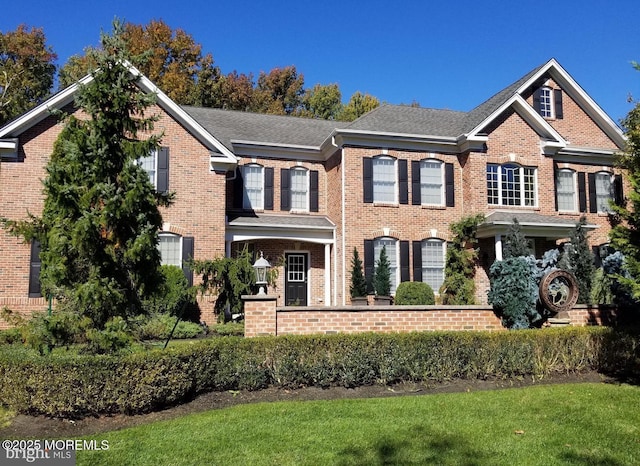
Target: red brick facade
583,140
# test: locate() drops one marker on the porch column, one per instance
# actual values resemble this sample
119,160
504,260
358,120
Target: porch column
327,275
498,247
227,249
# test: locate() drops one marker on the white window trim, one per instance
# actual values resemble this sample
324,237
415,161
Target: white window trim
307,208
522,183
575,197
442,183
245,198
168,234
395,180
552,109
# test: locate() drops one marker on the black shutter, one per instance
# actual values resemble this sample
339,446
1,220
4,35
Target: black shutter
238,189
369,264
285,192
404,262
537,94
556,174
582,192
187,255
449,185
35,290
593,201
367,179
415,183
162,173
557,98
417,261
618,193
268,188
314,204
403,182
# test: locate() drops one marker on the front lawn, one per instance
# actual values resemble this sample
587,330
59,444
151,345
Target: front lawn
546,424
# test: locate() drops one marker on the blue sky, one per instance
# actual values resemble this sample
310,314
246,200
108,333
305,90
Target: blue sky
453,54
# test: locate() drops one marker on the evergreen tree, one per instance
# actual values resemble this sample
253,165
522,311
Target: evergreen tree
358,286
578,259
100,222
625,236
460,267
515,244
382,274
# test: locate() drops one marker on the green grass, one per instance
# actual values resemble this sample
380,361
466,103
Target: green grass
547,424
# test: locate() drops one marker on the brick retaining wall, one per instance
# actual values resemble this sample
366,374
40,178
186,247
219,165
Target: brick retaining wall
264,317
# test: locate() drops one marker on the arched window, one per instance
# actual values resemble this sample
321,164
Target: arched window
384,179
391,248
431,182
299,189
511,185
604,191
170,246
253,178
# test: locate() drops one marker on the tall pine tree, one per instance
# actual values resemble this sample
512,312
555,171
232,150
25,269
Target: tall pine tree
625,236
100,223
578,259
515,243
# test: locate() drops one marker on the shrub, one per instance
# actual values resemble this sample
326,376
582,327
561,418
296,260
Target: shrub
513,292
159,326
74,386
174,296
418,293
382,275
358,287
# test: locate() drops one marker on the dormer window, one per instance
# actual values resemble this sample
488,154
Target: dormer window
548,102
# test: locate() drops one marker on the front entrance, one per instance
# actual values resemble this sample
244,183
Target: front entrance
295,280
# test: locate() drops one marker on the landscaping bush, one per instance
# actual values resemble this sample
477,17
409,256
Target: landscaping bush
69,385
417,293
174,296
514,291
159,326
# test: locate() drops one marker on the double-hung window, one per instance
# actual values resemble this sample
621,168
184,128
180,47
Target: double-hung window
546,102
566,190
170,246
433,260
150,165
431,182
604,191
511,185
253,195
299,189
391,246
384,180
156,165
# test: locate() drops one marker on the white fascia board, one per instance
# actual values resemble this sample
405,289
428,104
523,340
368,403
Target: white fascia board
42,111
573,89
586,155
419,142
276,150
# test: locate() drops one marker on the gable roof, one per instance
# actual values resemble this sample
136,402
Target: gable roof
220,153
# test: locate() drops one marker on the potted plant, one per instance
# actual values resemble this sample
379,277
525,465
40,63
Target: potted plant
382,279
358,287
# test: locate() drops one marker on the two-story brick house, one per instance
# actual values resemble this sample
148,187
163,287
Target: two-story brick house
309,191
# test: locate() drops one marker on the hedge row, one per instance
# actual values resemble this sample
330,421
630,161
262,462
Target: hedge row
77,386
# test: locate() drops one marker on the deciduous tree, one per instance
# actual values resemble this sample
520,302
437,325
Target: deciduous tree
358,105
278,92
323,102
26,70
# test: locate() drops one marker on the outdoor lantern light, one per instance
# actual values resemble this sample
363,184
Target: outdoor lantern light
261,266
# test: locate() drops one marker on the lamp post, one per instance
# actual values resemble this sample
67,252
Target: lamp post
261,266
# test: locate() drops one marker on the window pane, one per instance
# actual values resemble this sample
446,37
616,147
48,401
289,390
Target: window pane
493,189
253,187
170,250
384,180
433,263
603,191
566,191
390,245
431,182
149,165
546,107
299,189
511,185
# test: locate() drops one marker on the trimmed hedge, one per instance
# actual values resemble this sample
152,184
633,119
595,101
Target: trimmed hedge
77,386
